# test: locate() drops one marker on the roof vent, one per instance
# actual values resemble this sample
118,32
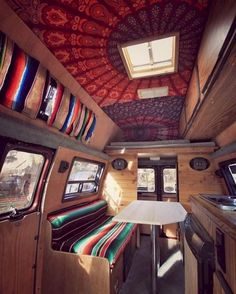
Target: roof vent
153,92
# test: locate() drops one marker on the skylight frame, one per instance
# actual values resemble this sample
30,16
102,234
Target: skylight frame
155,71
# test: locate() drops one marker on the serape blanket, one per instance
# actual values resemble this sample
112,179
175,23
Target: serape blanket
27,87
88,230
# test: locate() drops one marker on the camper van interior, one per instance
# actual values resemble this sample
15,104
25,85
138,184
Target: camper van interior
117,146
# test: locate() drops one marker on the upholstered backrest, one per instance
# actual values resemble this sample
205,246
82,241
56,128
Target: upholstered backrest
75,221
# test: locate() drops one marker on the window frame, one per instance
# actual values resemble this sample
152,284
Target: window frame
38,189
81,195
229,180
155,183
149,73
162,179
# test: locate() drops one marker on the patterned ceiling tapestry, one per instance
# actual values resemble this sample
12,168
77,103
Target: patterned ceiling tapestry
84,34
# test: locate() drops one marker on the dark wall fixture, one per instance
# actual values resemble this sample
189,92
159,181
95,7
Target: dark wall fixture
199,163
119,164
64,165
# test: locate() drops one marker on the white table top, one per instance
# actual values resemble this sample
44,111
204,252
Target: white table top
152,212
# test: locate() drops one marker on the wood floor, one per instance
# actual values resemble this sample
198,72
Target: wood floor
170,274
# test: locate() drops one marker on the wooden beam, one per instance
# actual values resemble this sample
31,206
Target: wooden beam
224,151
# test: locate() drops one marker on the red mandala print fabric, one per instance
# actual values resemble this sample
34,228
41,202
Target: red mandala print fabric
149,120
84,34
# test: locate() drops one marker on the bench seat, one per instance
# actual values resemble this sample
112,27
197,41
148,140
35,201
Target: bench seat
88,230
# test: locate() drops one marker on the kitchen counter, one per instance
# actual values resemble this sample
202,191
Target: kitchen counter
226,219
223,223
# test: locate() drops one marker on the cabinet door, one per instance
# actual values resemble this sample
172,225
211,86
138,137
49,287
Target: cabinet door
191,270
221,16
193,94
217,289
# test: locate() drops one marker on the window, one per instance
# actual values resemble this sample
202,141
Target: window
18,180
228,169
84,178
150,56
232,169
146,180
169,180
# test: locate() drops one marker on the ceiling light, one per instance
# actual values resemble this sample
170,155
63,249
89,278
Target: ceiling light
153,92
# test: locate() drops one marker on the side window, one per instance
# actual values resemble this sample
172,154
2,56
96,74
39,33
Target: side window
146,180
228,169
169,180
84,179
18,179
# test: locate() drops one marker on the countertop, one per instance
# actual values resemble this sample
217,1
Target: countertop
219,215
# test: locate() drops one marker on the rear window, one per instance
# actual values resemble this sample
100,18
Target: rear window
84,179
169,180
146,180
18,179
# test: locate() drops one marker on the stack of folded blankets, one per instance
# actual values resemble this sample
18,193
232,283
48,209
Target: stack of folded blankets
27,87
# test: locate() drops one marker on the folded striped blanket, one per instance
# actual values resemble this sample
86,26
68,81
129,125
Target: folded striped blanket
26,86
88,230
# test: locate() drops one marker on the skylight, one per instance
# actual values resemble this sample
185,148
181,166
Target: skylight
152,56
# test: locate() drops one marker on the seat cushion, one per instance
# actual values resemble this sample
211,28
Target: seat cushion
108,241
77,222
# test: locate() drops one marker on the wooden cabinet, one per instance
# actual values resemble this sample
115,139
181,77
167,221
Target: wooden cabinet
210,101
212,219
191,270
218,109
193,94
217,288
221,16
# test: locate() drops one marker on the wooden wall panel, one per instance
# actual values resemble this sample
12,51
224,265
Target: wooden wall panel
15,28
120,187
191,270
66,273
219,107
18,241
56,182
227,136
193,94
194,182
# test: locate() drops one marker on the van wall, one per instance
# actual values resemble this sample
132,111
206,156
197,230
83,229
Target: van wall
210,104
190,181
14,27
54,191
120,187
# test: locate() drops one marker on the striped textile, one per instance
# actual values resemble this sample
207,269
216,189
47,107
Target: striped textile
56,103
80,121
35,96
18,80
6,51
62,110
88,230
85,120
27,87
86,135
108,241
76,117
69,223
91,130
74,109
